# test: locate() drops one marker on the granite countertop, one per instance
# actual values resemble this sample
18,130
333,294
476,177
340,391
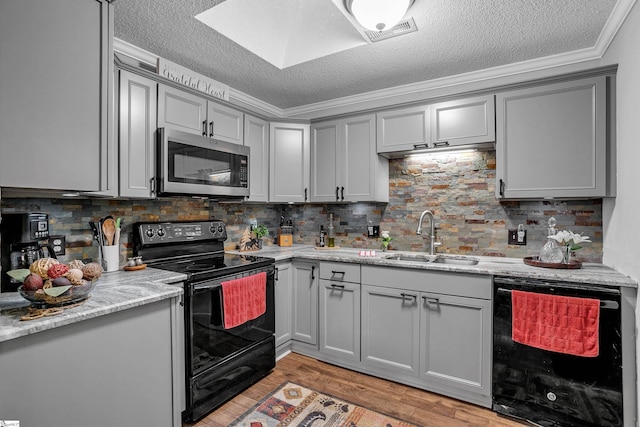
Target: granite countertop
114,291
590,273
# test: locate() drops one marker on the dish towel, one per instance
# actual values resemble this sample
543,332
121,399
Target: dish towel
556,323
244,299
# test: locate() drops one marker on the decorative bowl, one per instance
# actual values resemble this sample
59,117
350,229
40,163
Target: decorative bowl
71,295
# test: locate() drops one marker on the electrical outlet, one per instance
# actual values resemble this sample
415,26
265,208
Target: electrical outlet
58,244
517,237
373,231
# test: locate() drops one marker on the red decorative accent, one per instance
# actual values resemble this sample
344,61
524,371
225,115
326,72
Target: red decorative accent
57,270
556,323
244,299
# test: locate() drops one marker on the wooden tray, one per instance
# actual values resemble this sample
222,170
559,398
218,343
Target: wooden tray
135,268
326,248
533,260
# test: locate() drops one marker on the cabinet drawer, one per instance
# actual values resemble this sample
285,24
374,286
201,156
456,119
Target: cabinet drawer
340,272
461,284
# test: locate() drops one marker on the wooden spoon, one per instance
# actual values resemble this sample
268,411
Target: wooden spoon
109,230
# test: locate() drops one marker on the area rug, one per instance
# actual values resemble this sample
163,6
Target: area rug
294,405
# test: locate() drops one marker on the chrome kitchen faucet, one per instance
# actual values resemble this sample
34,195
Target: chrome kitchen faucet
433,243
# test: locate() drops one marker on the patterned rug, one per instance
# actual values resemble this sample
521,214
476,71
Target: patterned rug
294,405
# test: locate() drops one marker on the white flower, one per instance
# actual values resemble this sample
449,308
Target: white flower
566,237
385,235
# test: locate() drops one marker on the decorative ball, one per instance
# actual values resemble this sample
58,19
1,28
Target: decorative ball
60,281
92,271
75,276
41,266
32,282
57,270
77,264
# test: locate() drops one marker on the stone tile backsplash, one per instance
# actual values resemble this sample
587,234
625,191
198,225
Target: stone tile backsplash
458,187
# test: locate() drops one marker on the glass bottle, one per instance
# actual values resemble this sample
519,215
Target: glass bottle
331,238
551,252
321,242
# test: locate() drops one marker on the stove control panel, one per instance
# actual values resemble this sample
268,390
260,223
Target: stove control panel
177,232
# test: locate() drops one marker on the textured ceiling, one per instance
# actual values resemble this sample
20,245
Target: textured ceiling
453,37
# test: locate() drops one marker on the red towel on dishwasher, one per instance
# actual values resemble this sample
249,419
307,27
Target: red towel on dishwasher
556,323
244,299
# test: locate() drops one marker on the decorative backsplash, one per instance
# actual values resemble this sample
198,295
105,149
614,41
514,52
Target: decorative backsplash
457,187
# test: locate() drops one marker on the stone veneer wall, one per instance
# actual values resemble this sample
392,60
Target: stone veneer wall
457,187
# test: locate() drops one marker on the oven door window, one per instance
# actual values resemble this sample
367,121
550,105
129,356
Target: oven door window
211,343
197,165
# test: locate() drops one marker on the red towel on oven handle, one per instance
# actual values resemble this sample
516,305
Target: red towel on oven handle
556,323
244,299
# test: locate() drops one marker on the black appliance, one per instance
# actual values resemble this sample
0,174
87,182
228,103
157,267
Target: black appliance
220,363
555,389
198,165
24,240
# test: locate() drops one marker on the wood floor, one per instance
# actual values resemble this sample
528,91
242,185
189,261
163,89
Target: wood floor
407,403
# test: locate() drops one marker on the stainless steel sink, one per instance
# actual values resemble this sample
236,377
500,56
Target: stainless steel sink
455,260
411,258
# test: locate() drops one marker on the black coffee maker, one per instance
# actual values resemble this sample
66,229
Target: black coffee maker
25,238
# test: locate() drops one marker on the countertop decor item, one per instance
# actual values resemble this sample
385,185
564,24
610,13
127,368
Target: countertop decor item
570,242
385,237
536,262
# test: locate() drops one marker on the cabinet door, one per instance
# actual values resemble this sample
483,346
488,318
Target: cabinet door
305,302
225,124
551,141
324,168
463,121
137,115
390,330
339,319
54,107
364,176
181,110
289,162
456,339
283,298
256,137
404,129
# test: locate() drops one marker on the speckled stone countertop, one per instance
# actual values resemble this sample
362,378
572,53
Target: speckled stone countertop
590,273
114,291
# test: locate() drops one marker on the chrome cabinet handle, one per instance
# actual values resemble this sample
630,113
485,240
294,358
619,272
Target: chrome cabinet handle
431,300
204,128
342,190
418,146
337,195
305,194
211,128
412,296
334,272
501,187
334,286
313,273
441,144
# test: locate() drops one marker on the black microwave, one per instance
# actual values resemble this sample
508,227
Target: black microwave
190,164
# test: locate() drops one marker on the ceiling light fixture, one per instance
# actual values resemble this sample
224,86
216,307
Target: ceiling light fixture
378,15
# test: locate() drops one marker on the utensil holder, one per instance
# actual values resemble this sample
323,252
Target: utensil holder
111,258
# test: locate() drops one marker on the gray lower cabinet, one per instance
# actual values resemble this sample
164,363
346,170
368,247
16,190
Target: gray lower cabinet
429,329
284,304
56,63
390,331
124,368
339,314
305,303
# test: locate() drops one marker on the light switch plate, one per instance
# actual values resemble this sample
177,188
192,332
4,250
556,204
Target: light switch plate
513,238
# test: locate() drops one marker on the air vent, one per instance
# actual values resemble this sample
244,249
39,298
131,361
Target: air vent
403,27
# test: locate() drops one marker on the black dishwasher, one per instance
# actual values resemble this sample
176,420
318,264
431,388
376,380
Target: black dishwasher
550,388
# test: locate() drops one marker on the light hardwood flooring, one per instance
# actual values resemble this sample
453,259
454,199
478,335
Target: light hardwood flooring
407,403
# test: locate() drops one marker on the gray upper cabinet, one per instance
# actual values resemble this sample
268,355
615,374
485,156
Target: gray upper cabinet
339,314
403,129
463,122
345,166
256,137
191,113
137,113
552,141
56,91
459,122
289,162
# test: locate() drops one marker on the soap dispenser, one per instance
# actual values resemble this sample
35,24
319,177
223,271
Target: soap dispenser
551,252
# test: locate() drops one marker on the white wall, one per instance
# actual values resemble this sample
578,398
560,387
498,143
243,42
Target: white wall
621,216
